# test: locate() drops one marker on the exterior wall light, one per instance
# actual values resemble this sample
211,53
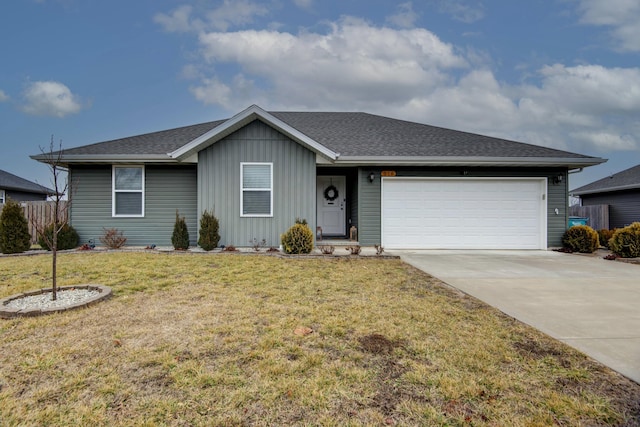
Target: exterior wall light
372,177
557,179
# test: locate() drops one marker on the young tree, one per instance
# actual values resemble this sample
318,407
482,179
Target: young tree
60,219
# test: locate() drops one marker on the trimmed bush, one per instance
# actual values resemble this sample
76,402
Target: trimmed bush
14,229
180,236
581,238
67,238
604,236
625,242
209,231
298,239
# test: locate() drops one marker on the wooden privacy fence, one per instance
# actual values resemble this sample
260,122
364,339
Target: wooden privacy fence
39,214
598,215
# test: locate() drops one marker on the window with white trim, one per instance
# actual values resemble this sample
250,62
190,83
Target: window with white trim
128,191
256,198
2,197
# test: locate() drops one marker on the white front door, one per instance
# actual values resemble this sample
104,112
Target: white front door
331,205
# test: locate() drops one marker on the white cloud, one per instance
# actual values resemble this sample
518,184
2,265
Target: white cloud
462,12
49,98
178,21
405,18
622,16
412,74
229,14
346,63
303,4
3,96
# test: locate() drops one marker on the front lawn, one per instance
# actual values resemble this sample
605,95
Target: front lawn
202,339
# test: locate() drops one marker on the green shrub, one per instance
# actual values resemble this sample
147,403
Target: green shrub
180,236
581,238
625,242
298,239
209,231
604,236
67,238
14,229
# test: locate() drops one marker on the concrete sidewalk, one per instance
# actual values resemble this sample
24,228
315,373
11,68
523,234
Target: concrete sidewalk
586,302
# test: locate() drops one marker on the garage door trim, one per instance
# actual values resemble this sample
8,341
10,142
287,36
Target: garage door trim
542,200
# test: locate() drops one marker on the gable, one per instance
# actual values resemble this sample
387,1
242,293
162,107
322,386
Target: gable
242,119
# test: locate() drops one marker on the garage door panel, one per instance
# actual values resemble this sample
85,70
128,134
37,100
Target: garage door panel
463,213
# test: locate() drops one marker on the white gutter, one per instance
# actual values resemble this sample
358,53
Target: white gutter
468,161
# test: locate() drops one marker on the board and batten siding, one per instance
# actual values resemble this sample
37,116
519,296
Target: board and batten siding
167,188
294,184
369,212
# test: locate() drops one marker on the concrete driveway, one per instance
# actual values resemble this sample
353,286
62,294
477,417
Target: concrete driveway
586,302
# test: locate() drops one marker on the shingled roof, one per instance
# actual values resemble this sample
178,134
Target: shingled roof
626,180
10,181
353,137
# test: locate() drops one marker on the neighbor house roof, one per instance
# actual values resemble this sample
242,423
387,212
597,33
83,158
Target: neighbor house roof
628,179
340,138
10,181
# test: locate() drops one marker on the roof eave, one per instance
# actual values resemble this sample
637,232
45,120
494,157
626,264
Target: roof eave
46,191
606,190
470,161
107,158
242,119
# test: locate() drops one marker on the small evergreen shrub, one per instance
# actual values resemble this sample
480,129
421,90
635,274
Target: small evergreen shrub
604,236
67,238
298,239
14,229
209,231
625,242
180,236
113,238
581,238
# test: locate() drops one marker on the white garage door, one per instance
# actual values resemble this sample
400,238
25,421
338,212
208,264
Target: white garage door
465,213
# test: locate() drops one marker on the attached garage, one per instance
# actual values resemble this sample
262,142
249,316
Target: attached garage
464,213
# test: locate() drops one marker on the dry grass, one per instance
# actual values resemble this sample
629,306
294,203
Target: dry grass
201,339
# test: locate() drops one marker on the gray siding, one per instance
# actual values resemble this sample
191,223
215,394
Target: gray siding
294,183
624,206
22,196
370,197
167,188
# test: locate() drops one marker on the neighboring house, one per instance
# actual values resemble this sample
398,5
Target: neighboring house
20,190
401,184
621,191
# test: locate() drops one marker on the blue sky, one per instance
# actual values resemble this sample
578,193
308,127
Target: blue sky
558,73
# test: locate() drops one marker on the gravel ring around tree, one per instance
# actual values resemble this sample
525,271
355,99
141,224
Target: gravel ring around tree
36,303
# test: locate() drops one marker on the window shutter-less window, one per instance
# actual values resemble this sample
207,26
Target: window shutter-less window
256,189
128,191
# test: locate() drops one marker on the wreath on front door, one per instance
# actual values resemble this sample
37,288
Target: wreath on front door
331,193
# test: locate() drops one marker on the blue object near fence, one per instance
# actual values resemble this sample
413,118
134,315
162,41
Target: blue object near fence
576,220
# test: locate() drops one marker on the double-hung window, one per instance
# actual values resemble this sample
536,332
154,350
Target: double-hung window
256,198
2,197
128,191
